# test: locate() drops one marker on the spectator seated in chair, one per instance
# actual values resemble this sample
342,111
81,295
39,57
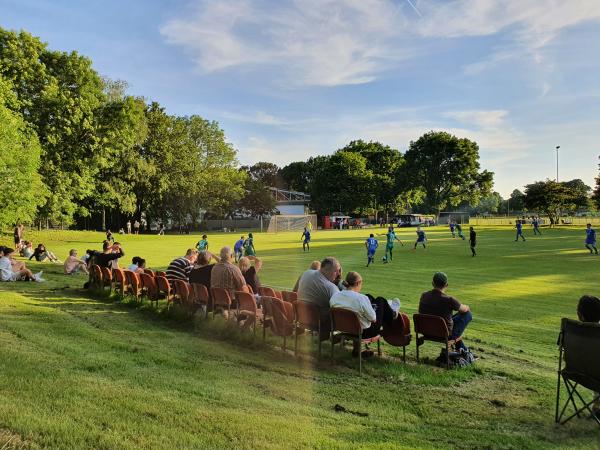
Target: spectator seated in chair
437,303
137,264
73,264
588,310
202,270
250,272
225,274
180,268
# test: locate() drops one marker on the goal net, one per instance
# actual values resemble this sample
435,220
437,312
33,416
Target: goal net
291,222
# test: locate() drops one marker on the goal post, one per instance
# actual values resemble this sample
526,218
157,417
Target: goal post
288,222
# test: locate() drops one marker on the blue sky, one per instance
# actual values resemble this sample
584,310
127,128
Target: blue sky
291,79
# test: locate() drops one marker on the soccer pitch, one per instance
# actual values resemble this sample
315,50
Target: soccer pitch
79,372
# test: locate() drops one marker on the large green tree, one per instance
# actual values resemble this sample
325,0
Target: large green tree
554,198
596,193
20,150
446,169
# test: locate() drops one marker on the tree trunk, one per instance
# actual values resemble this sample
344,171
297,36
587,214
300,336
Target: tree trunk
103,219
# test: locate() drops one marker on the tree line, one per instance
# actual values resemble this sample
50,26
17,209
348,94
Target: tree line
75,149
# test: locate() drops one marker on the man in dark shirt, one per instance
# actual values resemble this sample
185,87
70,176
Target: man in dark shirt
109,254
472,240
202,270
437,303
180,268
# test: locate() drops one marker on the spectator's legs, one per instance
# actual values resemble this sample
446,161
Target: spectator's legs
460,324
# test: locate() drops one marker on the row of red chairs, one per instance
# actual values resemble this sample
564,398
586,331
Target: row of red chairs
281,311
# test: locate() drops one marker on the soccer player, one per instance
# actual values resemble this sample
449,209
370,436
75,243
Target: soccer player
389,247
238,248
536,226
371,245
249,249
460,233
519,227
306,240
421,238
590,239
202,244
452,228
472,240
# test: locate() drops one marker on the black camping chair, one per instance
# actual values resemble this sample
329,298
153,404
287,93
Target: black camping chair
579,345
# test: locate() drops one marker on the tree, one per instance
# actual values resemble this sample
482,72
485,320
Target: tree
596,193
257,199
446,169
340,182
489,204
19,162
297,176
265,172
552,198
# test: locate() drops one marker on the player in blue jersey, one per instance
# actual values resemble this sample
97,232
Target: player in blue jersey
421,238
452,225
371,245
519,227
202,244
590,239
238,248
536,226
306,240
389,246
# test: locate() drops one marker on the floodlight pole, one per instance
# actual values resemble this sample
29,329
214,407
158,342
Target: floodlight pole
557,147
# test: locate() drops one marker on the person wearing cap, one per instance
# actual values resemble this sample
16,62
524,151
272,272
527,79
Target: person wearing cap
437,303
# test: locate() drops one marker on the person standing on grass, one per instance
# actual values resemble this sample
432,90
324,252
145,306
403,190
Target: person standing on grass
437,303
389,246
129,227
536,226
452,228
472,240
109,236
459,230
249,249
588,310
421,238
371,245
136,227
202,244
306,240
519,227
590,239
238,248
18,235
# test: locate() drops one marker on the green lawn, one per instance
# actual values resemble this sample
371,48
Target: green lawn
83,372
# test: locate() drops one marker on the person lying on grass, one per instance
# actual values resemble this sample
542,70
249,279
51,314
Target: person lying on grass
41,254
7,272
73,264
588,310
373,313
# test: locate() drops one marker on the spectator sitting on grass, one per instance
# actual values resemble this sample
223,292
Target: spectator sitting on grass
41,254
26,250
250,272
201,272
437,303
8,274
74,264
137,264
588,310
180,268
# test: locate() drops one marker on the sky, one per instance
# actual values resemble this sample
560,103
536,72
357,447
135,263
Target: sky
290,79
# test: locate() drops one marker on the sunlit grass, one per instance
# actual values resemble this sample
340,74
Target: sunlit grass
79,372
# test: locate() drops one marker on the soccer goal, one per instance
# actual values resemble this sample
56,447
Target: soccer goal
281,223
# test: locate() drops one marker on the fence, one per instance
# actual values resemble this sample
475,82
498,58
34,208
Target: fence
499,221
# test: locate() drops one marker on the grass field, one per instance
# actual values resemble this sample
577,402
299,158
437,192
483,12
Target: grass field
83,372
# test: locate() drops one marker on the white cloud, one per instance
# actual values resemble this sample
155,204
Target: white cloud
314,42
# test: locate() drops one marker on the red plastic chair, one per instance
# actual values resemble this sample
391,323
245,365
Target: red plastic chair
347,323
164,288
307,317
278,317
106,278
181,293
398,333
247,308
200,296
135,286
289,296
160,274
96,277
269,292
433,328
220,299
149,287
149,272
120,283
